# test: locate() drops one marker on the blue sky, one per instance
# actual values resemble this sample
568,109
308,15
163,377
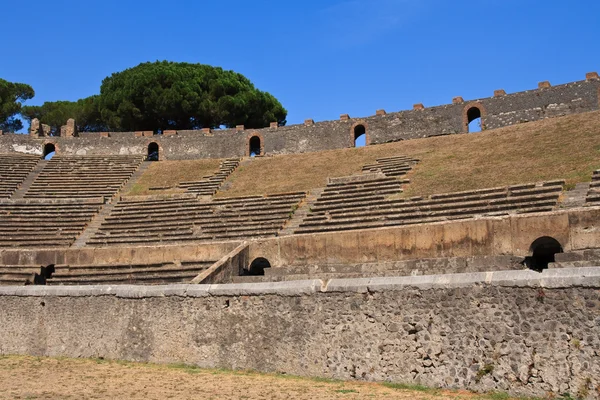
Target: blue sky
319,58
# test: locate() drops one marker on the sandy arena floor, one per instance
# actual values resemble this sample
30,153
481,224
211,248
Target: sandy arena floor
50,378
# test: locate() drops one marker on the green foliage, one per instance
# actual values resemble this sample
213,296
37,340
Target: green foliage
11,96
167,95
56,113
486,370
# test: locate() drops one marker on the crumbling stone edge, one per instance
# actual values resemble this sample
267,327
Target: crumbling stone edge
552,278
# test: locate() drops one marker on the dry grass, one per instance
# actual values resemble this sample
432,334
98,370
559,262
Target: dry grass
60,378
566,147
170,173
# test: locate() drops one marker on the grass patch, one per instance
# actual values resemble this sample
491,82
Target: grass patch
405,386
556,148
170,173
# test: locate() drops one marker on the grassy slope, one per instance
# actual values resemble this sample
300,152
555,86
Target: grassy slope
566,147
170,173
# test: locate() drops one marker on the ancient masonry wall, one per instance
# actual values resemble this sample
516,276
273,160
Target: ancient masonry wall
498,111
517,331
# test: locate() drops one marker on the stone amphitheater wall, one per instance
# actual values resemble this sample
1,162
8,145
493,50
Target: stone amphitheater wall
523,332
574,229
498,111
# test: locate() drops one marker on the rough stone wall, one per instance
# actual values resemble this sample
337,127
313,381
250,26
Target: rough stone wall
516,331
498,111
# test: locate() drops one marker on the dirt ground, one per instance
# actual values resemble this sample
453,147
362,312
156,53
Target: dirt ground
52,378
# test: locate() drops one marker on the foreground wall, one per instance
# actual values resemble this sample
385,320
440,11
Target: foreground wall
498,111
517,331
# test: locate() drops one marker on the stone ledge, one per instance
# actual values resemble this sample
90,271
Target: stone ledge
552,278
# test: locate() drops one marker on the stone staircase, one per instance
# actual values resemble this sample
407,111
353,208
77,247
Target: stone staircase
210,184
396,166
28,181
301,212
593,196
95,224
576,197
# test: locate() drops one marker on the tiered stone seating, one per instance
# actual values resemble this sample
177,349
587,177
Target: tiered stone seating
186,218
210,184
593,196
121,274
13,171
44,223
83,177
391,166
356,211
18,275
431,266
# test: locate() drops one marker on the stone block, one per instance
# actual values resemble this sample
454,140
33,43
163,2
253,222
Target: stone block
34,128
458,100
70,129
239,128
591,75
274,125
344,117
418,106
380,112
309,122
104,134
544,84
499,92
169,133
144,133
45,130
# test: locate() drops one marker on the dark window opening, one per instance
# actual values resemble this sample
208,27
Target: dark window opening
543,251
152,152
254,146
474,120
257,267
49,151
360,136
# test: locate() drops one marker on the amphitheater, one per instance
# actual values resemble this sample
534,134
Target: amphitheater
431,255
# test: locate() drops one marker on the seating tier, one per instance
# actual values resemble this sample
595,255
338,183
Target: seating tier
361,211
83,177
14,168
43,223
123,274
187,218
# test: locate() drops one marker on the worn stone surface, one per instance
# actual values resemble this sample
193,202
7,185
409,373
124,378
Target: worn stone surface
513,331
499,111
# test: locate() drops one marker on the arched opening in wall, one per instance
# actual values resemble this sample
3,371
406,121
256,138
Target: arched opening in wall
474,120
360,136
257,267
152,152
254,146
543,251
49,151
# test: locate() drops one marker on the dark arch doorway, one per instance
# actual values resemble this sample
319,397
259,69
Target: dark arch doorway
49,151
360,136
257,267
543,251
254,146
474,121
153,152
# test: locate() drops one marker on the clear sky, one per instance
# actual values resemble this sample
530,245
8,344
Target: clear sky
319,58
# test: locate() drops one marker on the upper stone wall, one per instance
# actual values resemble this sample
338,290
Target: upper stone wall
498,111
